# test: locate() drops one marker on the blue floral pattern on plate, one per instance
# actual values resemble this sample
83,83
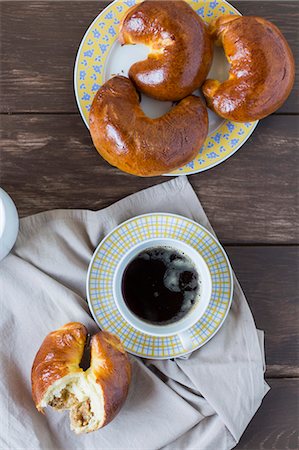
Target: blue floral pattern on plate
89,77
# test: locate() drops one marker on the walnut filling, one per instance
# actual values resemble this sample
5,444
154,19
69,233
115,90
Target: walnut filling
82,398
65,400
81,414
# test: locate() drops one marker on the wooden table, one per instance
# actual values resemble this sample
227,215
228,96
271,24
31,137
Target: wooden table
48,161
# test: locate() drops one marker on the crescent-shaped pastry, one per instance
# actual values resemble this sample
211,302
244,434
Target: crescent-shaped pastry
181,49
261,72
137,144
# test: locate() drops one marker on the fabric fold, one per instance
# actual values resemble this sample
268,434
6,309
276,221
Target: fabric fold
204,402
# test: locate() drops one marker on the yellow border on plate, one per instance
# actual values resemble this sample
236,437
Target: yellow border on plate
89,76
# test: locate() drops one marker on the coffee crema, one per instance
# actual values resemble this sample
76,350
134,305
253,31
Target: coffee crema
160,285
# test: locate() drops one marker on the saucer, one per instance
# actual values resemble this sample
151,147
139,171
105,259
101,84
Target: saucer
100,56
117,243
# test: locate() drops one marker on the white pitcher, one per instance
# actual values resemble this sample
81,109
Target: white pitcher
9,224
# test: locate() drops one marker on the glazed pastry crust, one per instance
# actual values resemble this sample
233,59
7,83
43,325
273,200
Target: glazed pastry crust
95,396
181,49
59,355
128,139
112,371
261,72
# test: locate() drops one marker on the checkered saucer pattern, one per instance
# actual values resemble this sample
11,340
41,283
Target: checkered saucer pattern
117,243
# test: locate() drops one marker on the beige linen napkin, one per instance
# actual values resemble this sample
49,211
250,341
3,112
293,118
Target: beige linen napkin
204,402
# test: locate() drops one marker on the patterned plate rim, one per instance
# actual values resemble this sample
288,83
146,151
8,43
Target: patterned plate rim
174,173
192,172
213,237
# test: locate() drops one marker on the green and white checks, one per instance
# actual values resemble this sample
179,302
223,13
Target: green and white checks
117,243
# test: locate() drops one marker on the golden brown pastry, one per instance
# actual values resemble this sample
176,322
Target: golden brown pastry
261,74
136,144
180,48
94,396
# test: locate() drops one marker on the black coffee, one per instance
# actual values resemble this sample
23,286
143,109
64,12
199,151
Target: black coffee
160,285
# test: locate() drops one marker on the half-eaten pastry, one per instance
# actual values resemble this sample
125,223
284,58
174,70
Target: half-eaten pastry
94,396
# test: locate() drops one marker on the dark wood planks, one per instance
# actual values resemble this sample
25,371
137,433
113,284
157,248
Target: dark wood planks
40,40
269,279
48,162
275,425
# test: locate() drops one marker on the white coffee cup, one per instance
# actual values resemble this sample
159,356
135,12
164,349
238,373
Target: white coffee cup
181,326
9,224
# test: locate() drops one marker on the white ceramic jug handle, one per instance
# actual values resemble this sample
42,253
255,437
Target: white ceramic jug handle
186,340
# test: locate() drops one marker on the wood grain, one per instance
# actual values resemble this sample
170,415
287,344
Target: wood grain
275,425
269,279
49,162
40,41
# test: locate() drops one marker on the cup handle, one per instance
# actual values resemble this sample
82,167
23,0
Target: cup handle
186,340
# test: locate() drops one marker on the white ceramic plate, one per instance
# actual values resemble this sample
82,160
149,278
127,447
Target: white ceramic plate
100,56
